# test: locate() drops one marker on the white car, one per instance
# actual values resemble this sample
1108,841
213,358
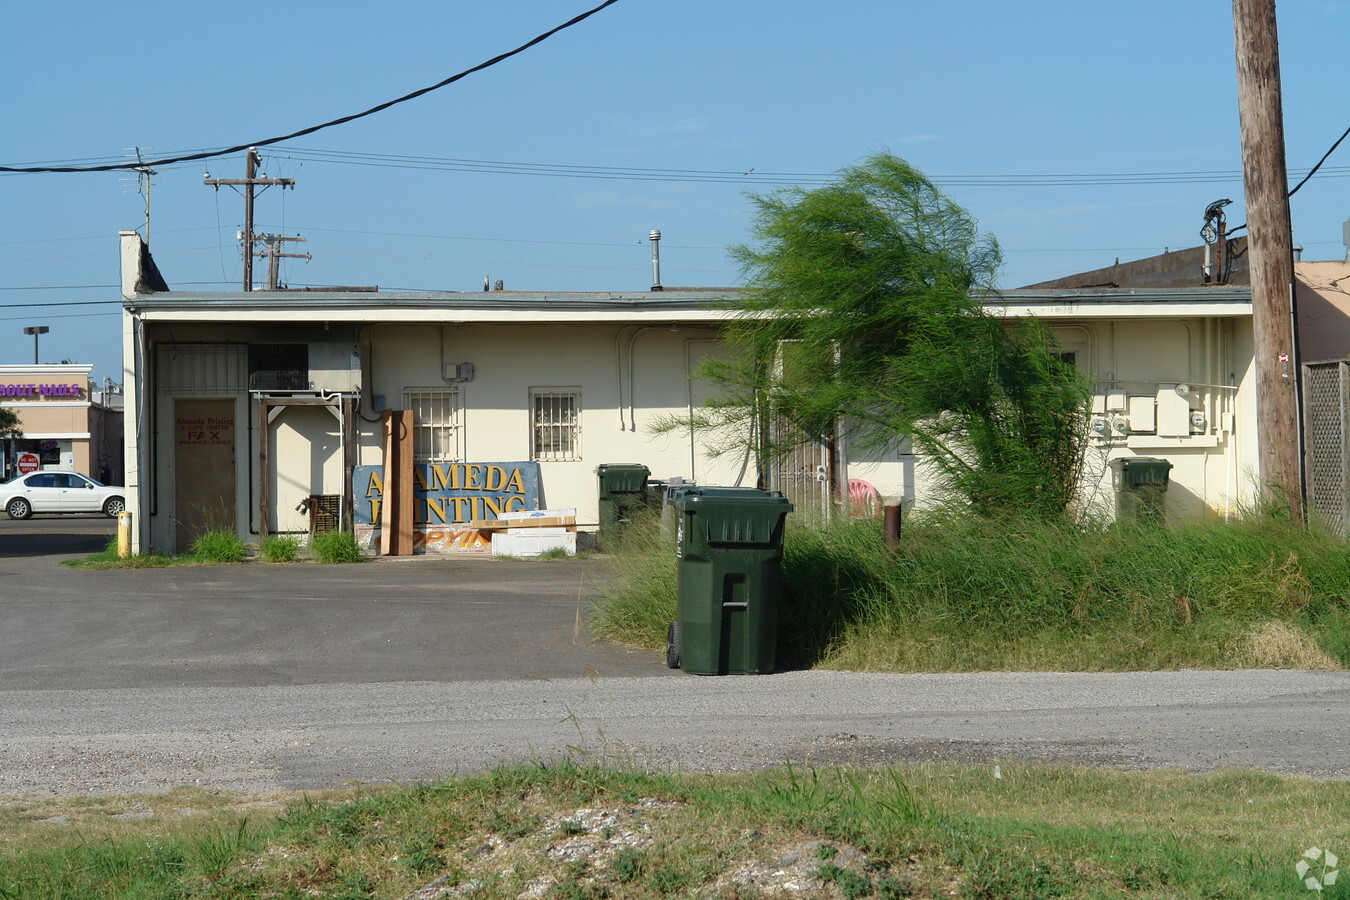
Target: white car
59,492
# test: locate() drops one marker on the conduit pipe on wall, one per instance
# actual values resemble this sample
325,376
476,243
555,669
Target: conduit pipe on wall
632,365
618,372
368,370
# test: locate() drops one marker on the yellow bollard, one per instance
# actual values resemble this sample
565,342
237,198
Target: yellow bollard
123,534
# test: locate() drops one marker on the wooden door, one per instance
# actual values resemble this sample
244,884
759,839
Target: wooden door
204,477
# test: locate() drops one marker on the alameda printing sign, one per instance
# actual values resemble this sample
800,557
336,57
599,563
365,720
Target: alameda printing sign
446,494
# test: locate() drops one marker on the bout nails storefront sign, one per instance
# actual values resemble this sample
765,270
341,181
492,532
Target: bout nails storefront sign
64,390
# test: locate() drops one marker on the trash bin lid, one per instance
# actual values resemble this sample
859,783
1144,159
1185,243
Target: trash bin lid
734,515
622,477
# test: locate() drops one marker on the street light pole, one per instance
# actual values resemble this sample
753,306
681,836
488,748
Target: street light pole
35,330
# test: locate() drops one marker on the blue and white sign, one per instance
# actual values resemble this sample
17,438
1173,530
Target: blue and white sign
450,493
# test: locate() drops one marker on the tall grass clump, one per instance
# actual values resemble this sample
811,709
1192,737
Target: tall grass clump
280,548
219,547
969,593
336,547
638,599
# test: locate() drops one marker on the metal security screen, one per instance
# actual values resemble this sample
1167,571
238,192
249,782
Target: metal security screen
438,435
1326,424
211,370
556,425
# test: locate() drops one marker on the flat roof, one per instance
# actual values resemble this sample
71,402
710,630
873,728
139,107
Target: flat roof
708,305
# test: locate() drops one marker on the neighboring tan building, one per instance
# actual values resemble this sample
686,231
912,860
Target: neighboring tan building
67,422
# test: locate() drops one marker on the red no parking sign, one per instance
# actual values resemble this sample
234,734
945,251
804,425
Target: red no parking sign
28,462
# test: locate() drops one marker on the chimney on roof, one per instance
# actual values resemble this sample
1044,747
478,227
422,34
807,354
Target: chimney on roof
655,236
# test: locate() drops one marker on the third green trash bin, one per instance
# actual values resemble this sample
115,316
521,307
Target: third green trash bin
623,490
1140,483
729,552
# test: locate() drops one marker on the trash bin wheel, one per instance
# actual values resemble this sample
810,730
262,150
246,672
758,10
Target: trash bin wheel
673,645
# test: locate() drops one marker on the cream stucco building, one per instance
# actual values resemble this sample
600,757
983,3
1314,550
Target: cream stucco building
241,406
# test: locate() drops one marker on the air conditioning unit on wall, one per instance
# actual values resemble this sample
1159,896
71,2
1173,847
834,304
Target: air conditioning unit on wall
325,367
335,368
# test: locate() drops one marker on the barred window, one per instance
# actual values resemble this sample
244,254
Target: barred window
555,424
438,435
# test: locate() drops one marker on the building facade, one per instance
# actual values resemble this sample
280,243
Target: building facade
249,406
68,424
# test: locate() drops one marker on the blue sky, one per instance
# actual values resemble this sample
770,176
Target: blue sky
1036,93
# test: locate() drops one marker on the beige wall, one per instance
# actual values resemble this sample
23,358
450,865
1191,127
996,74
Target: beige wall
1322,298
1136,365
629,377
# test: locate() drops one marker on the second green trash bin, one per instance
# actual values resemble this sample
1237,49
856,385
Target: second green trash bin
729,552
623,491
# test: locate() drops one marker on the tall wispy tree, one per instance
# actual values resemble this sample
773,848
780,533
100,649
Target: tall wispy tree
864,313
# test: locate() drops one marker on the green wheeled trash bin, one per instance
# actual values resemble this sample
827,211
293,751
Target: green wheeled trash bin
729,551
1141,486
623,490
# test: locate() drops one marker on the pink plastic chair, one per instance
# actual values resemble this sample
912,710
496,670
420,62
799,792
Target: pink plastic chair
864,501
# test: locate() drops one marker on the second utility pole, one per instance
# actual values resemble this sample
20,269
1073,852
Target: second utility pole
248,182
1270,242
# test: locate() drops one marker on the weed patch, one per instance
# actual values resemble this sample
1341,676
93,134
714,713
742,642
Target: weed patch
962,593
215,547
336,547
571,831
280,548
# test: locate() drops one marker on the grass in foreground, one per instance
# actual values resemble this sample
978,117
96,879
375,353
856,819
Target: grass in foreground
966,594
569,831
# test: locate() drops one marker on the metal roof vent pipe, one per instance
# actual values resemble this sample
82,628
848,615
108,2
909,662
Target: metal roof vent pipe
655,237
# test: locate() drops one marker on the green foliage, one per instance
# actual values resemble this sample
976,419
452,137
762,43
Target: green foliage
336,547
1040,831
219,547
280,548
667,879
628,865
967,593
10,425
865,316
851,884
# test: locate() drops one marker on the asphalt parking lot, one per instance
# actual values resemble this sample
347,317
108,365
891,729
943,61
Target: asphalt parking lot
407,619
264,677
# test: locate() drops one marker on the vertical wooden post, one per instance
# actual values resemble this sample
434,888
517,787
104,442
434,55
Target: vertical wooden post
348,460
263,499
396,513
1270,245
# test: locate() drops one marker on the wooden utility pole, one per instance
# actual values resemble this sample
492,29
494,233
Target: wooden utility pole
273,255
1270,245
248,182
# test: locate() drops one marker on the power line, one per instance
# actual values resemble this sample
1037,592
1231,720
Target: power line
58,303
86,315
726,176
313,128
62,287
